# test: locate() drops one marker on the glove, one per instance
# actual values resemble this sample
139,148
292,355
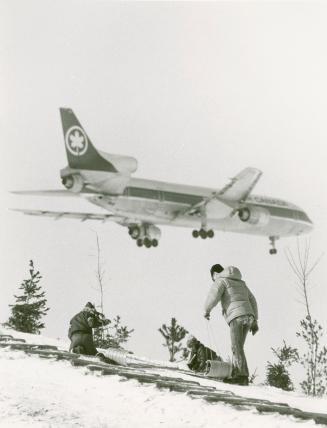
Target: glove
207,316
254,327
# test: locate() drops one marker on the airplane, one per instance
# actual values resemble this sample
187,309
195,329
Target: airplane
142,205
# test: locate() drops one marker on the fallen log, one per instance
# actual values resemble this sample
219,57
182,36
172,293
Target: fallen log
5,337
58,354
196,392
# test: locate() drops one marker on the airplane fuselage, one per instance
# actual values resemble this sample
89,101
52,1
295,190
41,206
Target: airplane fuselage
163,203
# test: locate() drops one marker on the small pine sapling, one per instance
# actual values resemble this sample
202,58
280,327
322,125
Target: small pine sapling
30,307
173,335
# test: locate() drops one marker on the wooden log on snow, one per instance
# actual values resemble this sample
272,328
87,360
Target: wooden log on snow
141,377
206,391
147,378
81,362
196,389
12,340
53,347
319,418
175,386
56,354
5,337
104,370
178,380
23,346
4,345
240,401
282,410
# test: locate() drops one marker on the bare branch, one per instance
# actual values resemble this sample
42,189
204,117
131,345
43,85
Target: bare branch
299,256
315,263
292,264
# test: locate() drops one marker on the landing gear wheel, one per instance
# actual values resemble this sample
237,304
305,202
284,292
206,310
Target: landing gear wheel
155,242
139,242
272,240
203,233
134,232
147,242
195,233
210,233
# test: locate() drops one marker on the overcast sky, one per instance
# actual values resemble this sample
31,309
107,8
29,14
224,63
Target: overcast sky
196,92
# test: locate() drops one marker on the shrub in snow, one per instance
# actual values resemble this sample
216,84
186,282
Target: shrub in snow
112,336
277,374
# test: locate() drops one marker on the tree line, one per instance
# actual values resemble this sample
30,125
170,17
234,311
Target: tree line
30,308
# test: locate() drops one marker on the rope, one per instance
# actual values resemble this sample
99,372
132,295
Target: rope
211,337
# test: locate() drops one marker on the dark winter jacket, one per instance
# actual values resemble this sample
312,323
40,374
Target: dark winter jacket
199,356
236,299
84,321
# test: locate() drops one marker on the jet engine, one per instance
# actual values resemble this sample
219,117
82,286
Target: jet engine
73,182
254,215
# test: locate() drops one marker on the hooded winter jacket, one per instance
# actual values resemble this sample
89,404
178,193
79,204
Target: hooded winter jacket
84,321
236,299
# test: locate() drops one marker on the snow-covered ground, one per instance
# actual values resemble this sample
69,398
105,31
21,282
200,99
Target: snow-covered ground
36,392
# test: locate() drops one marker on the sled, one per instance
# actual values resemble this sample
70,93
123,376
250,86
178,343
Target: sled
218,369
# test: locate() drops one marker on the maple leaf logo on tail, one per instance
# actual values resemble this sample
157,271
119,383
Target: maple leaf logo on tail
81,153
76,141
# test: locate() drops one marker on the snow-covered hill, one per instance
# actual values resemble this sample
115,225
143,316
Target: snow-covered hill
38,392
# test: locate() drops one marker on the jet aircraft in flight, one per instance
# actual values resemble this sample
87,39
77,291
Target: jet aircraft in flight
142,205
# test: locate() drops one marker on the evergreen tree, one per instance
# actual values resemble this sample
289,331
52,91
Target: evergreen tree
173,334
30,307
277,374
314,360
113,335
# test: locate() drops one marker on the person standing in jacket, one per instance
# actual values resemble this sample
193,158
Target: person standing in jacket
80,330
240,310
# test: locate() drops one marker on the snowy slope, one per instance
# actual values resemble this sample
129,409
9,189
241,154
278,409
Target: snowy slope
46,393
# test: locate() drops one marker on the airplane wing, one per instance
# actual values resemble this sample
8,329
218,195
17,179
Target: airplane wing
60,192
240,186
75,215
236,191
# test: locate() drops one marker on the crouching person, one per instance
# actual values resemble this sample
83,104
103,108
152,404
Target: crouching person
199,355
80,330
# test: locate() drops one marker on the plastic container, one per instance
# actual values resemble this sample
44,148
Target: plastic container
218,369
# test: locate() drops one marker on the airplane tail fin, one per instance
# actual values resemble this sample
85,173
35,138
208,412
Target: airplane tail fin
81,153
